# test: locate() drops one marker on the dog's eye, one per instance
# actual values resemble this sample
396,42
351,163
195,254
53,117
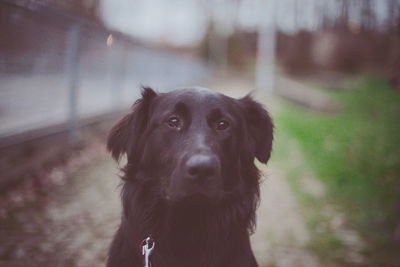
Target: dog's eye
173,122
222,125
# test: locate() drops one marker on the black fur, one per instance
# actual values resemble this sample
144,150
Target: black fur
197,220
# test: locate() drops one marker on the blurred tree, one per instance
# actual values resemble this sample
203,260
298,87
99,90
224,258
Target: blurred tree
222,20
89,9
296,12
323,11
344,13
393,16
368,17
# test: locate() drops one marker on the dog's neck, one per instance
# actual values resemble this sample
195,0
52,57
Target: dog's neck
185,232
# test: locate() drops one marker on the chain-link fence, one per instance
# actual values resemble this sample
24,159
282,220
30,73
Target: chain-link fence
56,68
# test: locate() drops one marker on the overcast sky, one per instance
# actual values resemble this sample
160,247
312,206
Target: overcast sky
184,21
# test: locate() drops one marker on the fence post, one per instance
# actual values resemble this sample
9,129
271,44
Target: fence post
117,65
120,75
72,63
265,62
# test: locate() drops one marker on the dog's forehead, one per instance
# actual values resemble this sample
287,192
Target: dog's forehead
194,96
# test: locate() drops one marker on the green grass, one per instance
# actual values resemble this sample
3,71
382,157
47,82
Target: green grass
356,154
323,240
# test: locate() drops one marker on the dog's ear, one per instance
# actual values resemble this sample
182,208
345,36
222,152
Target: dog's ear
124,136
260,128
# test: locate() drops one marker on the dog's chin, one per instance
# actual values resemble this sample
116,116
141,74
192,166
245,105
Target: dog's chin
193,199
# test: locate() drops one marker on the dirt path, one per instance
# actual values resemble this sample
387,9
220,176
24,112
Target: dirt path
281,234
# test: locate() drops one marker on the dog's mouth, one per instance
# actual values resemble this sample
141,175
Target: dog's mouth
182,191
193,199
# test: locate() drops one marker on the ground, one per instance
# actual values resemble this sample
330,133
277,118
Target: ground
74,225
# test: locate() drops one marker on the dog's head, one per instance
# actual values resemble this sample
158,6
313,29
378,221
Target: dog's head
193,143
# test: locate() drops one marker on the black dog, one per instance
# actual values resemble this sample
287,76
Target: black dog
190,183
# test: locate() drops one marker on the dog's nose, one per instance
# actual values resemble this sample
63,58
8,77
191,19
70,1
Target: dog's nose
200,167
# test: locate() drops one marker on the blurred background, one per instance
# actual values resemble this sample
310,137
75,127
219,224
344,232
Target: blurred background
327,70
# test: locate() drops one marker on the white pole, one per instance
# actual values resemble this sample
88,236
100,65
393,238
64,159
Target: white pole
72,67
265,62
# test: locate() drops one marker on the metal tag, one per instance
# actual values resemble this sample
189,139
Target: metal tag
147,249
